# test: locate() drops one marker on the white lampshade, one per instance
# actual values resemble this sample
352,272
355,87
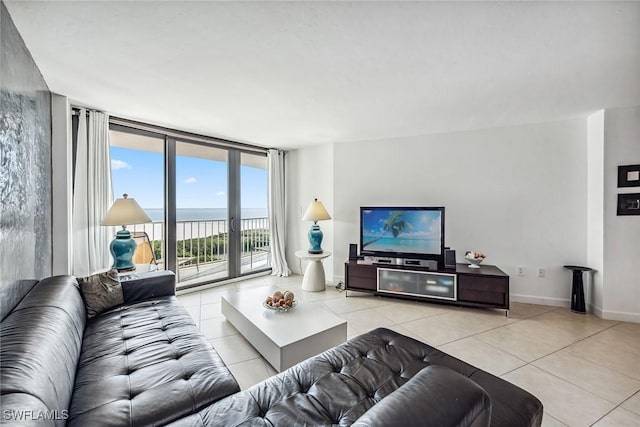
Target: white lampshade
125,211
316,212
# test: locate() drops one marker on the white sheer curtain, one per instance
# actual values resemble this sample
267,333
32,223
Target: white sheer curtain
92,195
277,214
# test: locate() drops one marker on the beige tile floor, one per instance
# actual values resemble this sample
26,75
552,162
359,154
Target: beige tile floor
585,370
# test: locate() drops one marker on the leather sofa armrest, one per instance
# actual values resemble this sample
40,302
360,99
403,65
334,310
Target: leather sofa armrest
149,285
435,396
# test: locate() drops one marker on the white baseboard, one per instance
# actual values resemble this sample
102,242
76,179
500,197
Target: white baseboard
621,316
595,310
530,299
592,309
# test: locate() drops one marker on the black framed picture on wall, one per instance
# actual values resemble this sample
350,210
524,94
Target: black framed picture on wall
629,176
629,204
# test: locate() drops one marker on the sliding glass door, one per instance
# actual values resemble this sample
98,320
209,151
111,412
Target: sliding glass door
209,204
202,226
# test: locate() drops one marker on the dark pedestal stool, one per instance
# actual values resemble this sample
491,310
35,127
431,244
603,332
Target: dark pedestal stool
577,288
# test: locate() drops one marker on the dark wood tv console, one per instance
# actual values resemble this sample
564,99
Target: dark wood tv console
487,286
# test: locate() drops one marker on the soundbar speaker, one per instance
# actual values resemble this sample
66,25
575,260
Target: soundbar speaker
449,258
353,252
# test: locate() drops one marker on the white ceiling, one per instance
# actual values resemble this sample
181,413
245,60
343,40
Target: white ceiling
289,74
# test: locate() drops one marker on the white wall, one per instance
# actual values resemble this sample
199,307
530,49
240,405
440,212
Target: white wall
621,233
595,209
518,194
61,201
309,174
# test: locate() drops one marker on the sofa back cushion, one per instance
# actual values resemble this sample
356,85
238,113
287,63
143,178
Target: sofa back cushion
41,340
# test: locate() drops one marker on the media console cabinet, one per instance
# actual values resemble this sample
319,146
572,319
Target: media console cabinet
487,286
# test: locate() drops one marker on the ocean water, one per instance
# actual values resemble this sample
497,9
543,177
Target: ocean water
188,230
195,214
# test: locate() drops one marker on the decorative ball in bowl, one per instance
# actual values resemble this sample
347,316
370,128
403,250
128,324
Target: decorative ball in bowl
474,258
280,300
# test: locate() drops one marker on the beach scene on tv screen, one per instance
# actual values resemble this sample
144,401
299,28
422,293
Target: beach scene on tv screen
408,231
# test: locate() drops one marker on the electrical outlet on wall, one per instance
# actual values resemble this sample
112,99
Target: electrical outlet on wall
541,272
520,270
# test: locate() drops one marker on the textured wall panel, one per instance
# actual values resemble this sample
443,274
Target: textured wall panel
25,161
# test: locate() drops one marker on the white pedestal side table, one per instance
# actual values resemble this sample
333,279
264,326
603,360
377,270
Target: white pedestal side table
313,279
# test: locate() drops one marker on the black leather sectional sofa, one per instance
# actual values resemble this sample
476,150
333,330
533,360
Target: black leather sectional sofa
145,363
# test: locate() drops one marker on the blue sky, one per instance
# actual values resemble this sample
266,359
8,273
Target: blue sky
201,183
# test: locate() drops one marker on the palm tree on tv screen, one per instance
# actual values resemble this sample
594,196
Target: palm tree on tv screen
395,224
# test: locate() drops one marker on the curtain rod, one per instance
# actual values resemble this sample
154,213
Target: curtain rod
177,133
186,135
76,110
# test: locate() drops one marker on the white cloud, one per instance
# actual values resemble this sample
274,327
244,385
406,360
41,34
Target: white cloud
119,164
191,180
220,193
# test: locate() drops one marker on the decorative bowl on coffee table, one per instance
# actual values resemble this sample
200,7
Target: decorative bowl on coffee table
280,301
280,308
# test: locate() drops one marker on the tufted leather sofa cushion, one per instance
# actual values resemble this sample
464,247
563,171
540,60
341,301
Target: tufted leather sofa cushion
339,386
146,364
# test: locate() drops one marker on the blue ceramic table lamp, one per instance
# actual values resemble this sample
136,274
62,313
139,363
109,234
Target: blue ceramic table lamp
124,212
315,212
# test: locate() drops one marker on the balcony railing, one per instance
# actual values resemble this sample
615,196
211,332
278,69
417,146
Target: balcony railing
203,246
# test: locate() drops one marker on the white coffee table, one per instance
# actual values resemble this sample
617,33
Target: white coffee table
283,338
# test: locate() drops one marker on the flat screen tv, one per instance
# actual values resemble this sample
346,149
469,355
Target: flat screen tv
402,232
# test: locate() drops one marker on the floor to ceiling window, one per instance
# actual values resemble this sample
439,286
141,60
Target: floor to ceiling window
138,169
207,201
